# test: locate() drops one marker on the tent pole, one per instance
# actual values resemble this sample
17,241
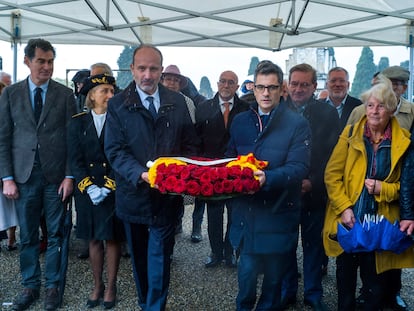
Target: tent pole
410,66
14,63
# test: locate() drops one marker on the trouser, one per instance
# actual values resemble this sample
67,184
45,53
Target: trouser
37,194
151,248
346,278
273,267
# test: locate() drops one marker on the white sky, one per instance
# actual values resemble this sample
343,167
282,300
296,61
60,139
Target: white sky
193,62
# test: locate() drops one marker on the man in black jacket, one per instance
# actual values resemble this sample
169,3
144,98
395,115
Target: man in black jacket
324,124
213,120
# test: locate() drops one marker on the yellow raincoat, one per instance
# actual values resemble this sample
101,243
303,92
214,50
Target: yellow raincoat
344,178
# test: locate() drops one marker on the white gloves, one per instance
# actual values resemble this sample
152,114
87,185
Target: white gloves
96,194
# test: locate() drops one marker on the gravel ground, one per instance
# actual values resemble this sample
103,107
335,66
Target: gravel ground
192,287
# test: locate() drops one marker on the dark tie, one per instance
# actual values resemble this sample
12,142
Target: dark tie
151,107
38,104
226,113
264,118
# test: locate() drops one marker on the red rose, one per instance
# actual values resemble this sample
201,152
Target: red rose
206,177
250,185
176,168
198,171
222,172
169,183
227,186
161,168
238,185
159,178
161,188
207,189
247,172
218,187
234,171
185,173
193,188
180,186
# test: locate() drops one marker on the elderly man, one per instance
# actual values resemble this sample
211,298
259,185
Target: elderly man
5,78
213,120
338,86
34,166
146,121
265,225
324,123
404,113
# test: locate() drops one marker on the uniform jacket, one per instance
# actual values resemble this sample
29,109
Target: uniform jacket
133,138
20,136
405,115
210,125
268,221
324,123
86,152
344,178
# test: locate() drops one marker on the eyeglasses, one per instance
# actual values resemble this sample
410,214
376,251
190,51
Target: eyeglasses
340,81
397,83
270,88
229,82
172,79
303,85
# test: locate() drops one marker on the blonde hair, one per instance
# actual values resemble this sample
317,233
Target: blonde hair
382,90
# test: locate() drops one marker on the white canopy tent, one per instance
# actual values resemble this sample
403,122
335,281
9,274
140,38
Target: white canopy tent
271,25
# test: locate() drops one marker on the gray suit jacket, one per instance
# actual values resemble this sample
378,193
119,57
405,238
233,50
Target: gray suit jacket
20,135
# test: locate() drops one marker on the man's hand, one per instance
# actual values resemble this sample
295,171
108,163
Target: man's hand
306,186
10,189
144,177
66,188
261,175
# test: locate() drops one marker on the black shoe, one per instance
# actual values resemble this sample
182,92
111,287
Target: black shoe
231,261
196,237
213,261
52,299
94,303
317,305
110,304
25,299
288,302
83,254
397,304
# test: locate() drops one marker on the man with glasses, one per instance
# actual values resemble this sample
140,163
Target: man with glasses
338,97
213,121
324,123
265,224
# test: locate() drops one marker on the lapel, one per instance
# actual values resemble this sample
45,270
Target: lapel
23,96
49,100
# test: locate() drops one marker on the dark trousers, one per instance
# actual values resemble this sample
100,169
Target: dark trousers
273,267
151,248
313,257
198,213
38,197
391,280
220,246
346,278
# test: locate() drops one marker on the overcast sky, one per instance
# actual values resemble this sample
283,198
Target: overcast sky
193,62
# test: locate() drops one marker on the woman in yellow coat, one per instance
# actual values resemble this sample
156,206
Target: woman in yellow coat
362,177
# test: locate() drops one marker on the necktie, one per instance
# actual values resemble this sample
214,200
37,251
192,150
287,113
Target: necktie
226,113
151,107
264,118
38,104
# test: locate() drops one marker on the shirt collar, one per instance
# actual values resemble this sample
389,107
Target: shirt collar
33,86
143,96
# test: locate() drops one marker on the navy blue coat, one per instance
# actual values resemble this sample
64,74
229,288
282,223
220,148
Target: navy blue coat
267,222
133,138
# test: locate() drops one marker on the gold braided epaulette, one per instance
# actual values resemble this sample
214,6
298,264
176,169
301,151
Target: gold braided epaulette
84,183
109,183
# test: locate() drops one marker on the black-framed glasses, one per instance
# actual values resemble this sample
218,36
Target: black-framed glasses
270,88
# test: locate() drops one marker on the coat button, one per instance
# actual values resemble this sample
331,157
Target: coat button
91,165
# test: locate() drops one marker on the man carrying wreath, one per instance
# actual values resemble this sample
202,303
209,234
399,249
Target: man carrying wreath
265,225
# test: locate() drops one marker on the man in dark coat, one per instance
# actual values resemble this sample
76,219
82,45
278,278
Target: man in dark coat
144,122
338,86
213,119
265,225
34,166
324,123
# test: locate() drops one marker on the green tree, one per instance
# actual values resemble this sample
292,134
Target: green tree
253,64
205,87
365,70
124,76
384,62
